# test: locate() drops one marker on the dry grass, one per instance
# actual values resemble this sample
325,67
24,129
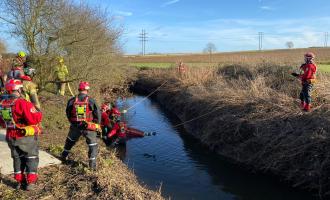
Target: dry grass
247,82
253,118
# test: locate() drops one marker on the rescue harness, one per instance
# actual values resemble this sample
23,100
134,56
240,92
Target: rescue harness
6,113
81,113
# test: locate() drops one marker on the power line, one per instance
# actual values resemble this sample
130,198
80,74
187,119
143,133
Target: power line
143,39
261,37
235,37
326,37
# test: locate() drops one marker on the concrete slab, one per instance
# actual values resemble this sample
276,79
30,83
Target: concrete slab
6,162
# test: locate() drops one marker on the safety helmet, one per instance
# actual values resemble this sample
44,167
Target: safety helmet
29,71
115,112
60,59
105,107
309,55
21,54
13,85
83,85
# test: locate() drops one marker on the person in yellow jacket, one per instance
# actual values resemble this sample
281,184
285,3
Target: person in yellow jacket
61,72
30,88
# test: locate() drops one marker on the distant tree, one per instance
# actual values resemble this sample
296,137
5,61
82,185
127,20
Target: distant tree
289,44
210,49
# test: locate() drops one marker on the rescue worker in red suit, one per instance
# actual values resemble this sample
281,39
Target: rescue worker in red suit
18,115
308,78
118,133
17,69
181,67
82,111
105,120
114,114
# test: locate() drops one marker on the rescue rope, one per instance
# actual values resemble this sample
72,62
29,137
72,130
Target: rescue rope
71,80
195,118
146,97
180,124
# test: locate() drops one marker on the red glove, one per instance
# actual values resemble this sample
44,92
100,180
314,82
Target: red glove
112,133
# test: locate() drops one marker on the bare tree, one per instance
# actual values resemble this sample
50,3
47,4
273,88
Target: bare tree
289,44
86,37
210,49
25,19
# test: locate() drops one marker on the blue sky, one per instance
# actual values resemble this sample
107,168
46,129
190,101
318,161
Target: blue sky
181,26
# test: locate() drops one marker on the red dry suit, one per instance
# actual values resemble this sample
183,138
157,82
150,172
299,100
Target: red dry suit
119,130
24,113
309,70
105,119
15,114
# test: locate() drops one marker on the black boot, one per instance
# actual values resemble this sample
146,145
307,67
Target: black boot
64,156
92,164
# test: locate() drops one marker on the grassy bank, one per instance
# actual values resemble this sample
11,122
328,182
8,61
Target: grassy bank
112,180
251,115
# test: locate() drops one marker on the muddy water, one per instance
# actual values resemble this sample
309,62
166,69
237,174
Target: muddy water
183,168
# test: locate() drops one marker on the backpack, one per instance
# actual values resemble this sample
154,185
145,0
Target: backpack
6,112
81,111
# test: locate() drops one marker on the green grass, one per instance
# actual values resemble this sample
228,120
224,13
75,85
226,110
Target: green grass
324,67
56,149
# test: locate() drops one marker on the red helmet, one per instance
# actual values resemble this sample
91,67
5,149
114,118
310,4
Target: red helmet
309,55
115,111
13,85
83,85
105,106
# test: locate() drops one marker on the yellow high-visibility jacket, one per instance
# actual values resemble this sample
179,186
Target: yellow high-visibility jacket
61,72
30,93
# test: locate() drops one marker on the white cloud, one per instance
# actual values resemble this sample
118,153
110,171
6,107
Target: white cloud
266,8
170,3
123,13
